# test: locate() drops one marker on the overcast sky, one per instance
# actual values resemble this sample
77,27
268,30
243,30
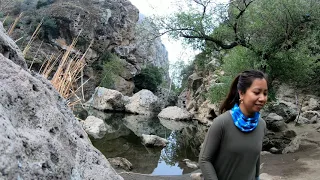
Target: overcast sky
163,7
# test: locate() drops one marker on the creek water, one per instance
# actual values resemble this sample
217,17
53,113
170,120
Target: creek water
123,139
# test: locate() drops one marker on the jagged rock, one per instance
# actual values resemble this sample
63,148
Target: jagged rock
194,82
150,50
143,102
286,93
311,105
129,71
287,110
95,127
39,135
302,120
206,112
153,140
10,50
312,115
106,99
275,140
124,86
166,98
293,146
275,122
119,162
183,99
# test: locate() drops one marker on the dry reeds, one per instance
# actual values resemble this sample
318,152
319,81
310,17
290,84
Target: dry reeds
14,24
67,74
4,20
33,37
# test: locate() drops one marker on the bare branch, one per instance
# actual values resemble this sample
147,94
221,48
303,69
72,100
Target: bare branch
209,38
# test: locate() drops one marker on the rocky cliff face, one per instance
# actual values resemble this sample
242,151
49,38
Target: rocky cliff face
40,137
110,24
150,49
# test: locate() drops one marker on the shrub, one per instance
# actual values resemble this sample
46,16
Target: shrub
218,92
112,66
49,28
149,78
42,3
238,60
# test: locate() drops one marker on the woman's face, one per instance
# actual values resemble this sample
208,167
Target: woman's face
254,98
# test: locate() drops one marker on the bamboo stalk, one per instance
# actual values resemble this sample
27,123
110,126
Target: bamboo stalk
14,24
5,19
35,55
33,37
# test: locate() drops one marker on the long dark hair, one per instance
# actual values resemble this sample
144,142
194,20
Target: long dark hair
242,82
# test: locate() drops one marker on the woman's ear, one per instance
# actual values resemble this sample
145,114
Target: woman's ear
240,97
240,94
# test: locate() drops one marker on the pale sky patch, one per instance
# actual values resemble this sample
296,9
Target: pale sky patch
176,51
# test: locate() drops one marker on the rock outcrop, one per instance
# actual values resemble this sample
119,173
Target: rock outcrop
150,50
10,50
39,136
110,24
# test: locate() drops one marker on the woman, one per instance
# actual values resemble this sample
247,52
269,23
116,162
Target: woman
231,149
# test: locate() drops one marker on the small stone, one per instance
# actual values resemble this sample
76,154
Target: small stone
274,150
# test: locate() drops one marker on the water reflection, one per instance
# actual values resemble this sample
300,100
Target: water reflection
123,140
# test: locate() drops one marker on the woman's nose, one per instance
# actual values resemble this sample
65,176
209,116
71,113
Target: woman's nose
263,98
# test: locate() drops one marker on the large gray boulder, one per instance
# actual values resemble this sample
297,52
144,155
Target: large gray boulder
40,137
143,102
275,122
95,127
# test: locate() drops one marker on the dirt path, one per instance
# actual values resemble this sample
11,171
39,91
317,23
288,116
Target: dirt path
301,165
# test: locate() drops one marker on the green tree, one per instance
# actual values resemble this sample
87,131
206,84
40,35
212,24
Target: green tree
278,35
111,68
149,78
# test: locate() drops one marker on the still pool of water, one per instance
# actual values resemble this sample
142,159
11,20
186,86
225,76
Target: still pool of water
123,139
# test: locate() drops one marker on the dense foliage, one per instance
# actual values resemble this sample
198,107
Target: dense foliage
149,78
111,68
281,38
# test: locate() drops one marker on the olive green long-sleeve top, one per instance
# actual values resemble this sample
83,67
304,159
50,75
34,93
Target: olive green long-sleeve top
230,154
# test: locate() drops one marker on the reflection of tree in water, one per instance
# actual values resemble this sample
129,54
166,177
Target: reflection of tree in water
168,154
183,144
